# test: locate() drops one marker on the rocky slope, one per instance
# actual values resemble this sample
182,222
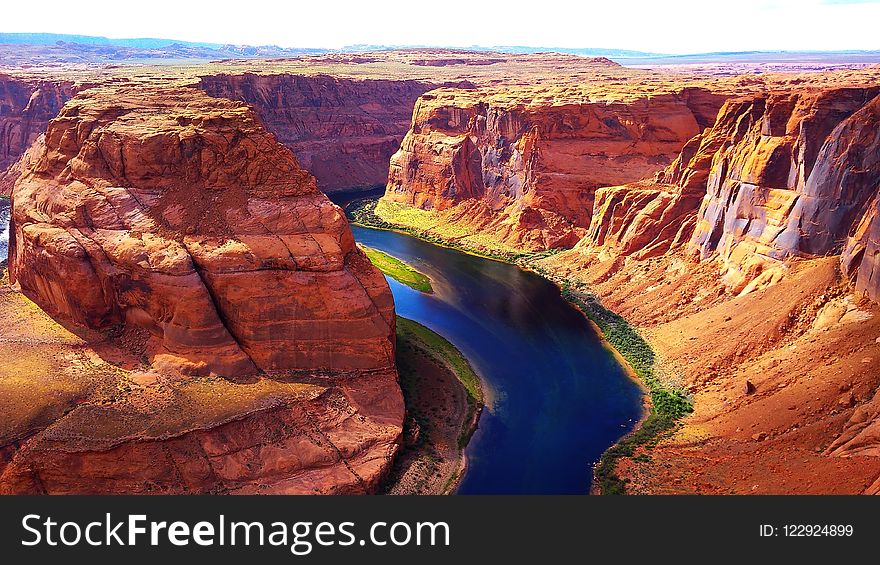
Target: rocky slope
777,176
730,260
26,106
233,337
523,168
747,255
343,131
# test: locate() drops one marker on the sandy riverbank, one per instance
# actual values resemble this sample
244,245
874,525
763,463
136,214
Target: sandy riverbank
443,401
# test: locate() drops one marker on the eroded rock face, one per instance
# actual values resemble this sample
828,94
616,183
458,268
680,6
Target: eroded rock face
770,195
229,335
343,131
181,215
655,216
792,180
331,437
776,176
860,260
26,106
525,170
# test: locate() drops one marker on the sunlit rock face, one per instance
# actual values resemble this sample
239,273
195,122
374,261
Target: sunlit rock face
522,165
221,330
795,175
777,176
182,215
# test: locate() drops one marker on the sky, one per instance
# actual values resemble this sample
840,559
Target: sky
663,26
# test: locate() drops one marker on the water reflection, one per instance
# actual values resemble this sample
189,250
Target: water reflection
559,398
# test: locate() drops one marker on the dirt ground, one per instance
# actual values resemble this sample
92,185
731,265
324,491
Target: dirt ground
783,379
431,460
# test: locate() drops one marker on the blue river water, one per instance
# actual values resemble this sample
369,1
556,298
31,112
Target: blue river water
4,229
556,398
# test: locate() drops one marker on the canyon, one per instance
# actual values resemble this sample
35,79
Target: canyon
733,219
230,336
742,262
342,131
747,262
524,170
26,106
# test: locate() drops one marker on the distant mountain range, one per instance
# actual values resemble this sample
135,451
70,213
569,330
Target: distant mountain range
41,48
137,43
519,49
25,49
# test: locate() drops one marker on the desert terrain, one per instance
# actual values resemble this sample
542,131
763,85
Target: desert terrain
199,319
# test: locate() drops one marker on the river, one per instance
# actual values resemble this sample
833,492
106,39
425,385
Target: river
556,398
4,228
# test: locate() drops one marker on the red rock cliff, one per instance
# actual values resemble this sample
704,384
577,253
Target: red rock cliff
728,262
184,243
185,217
343,131
522,166
26,106
792,179
776,176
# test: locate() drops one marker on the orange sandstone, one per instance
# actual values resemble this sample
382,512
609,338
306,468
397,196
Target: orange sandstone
236,339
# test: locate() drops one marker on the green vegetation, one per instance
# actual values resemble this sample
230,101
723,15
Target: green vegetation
668,405
413,334
420,224
398,270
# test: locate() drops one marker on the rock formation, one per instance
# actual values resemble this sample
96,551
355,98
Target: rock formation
729,260
523,166
861,257
776,176
343,131
26,106
791,181
173,225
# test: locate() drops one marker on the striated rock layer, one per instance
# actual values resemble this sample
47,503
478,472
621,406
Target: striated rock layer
173,225
777,176
26,106
739,263
342,131
524,169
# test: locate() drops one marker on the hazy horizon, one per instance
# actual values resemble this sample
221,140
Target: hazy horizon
681,27
524,47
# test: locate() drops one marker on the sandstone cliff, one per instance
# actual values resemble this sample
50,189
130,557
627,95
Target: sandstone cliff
730,262
777,176
249,341
793,183
343,131
522,167
26,106
779,354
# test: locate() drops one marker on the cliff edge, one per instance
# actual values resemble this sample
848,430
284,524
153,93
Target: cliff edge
232,336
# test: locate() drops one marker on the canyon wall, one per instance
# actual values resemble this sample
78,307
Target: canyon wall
750,264
861,256
176,229
738,232
26,106
524,172
343,131
777,176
